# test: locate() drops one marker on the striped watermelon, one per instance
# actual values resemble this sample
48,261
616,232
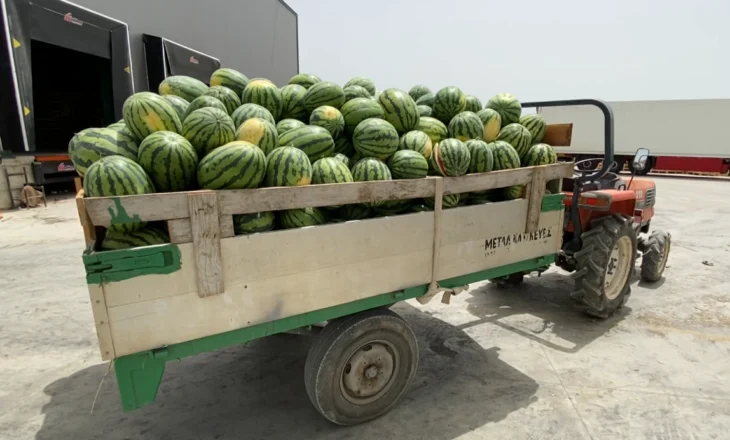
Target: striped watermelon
147,236
426,99
481,158
305,80
473,104
315,141
330,170
299,218
447,103
183,86
354,159
126,141
169,160
328,118
120,124
259,132
288,166
448,201
264,93
178,104
370,169
492,122
227,77
359,109
417,91
508,107
343,145
352,92
536,124
513,192
227,96
399,109
90,145
424,110
146,113
235,165
435,129
365,83
417,141
344,159
540,154
408,164
355,211
375,138
466,125
248,111
505,156
517,136
324,93
451,158
202,102
208,128
292,107
117,176
252,223
288,124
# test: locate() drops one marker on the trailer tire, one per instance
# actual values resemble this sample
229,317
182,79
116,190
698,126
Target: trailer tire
604,266
656,253
360,366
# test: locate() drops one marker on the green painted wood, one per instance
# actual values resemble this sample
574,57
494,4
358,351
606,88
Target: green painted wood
111,266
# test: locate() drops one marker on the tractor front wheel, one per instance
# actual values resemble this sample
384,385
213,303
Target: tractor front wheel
604,265
656,253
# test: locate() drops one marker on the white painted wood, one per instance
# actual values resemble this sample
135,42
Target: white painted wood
534,193
101,322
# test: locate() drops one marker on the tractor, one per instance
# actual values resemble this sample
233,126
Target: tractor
606,227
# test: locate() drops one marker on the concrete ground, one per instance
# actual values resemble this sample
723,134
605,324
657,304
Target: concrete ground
517,364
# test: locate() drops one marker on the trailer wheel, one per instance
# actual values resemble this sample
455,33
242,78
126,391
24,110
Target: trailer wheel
360,366
604,265
656,253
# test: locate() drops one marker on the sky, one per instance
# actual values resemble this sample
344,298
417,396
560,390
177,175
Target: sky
537,50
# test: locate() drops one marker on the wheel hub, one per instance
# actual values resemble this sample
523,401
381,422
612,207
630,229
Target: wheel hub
368,372
618,268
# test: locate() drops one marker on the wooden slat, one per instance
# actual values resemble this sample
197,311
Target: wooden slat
438,210
86,225
101,321
149,207
558,135
536,191
504,178
180,231
205,227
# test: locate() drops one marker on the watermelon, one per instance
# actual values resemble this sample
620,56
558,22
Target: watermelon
146,113
126,141
315,141
513,192
408,164
90,145
288,166
292,97
252,223
259,132
147,236
343,145
466,125
417,141
228,97
299,218
447,201
233,79
536,124
208,128
354,159
508,107
481,158
305,80
359,109
183,86
324,93
451,158
178,104
120,124
517,136
435,129
170,161
365,83
370,169
117,176
264,93
344,159
328,118
235,165
202,102
473,104
330,170
248,111
288,124
375,138
417,91
447,103
505,156
492,122
399,109
540,154
352,92
424,110
355,211
426,99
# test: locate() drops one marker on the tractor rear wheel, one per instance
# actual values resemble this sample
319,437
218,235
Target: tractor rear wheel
604,265
656,252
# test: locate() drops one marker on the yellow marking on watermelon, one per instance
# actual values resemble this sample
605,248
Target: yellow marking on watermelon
330,112
491,130
165,89
427,149
304,180
216,81
153,121
260,83
252,130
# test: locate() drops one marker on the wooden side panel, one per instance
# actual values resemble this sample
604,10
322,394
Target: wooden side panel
101,322
86,225
205,229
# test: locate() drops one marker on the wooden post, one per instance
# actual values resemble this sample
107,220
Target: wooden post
205,228
535,192
88,227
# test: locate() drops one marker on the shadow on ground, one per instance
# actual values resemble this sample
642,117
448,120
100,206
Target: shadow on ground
256,391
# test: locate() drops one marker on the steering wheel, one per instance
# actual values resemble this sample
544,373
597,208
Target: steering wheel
584,167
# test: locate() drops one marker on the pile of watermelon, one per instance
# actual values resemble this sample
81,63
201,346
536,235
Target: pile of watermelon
239,133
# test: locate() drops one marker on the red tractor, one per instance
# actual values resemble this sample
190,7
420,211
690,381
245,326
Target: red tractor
607,227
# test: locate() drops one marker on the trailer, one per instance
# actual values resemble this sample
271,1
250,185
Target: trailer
669,129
